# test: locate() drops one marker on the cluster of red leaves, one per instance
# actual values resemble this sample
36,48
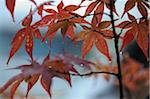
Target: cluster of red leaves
94,32
65,18
138,30
141,5
59,67
132,72
28,31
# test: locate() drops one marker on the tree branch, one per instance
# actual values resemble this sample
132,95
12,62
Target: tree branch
98,72
116,38
87,74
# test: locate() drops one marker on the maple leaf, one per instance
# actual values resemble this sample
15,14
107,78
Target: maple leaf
141,5
70,59
99,5
10,4
63,19
138,30
41,8
11,7
31,73
95,34
27,32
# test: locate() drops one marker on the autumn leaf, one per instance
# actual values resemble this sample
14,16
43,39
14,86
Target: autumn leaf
101,45
14,88
128,38
142,9
70,32
104,24
28,19
141,5
128,6
113,8
87,44
27,32
72,8
124,25
41,8
37,34
63,19
97,18
52,28
96,35
60,6
138,30
71,60
31,82
11,7
30,73
10,4
91,7
29,44
88,41
17,42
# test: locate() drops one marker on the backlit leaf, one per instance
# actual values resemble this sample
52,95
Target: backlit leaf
29,44
142,10
14,88
87,44
101,45
91,7
104,24
128,38
11,7
17,42
71,8
128,6
28,19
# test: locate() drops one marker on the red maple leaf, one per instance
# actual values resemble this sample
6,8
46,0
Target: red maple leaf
99,8
10,4
63,19
96,34
137,30
47,70
141,5
27,32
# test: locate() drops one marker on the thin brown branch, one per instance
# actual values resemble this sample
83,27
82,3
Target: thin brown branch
116,38
91,73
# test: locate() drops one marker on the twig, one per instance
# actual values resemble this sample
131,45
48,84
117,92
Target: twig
90,73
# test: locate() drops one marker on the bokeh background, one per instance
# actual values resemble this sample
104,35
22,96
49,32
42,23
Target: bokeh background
83,87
